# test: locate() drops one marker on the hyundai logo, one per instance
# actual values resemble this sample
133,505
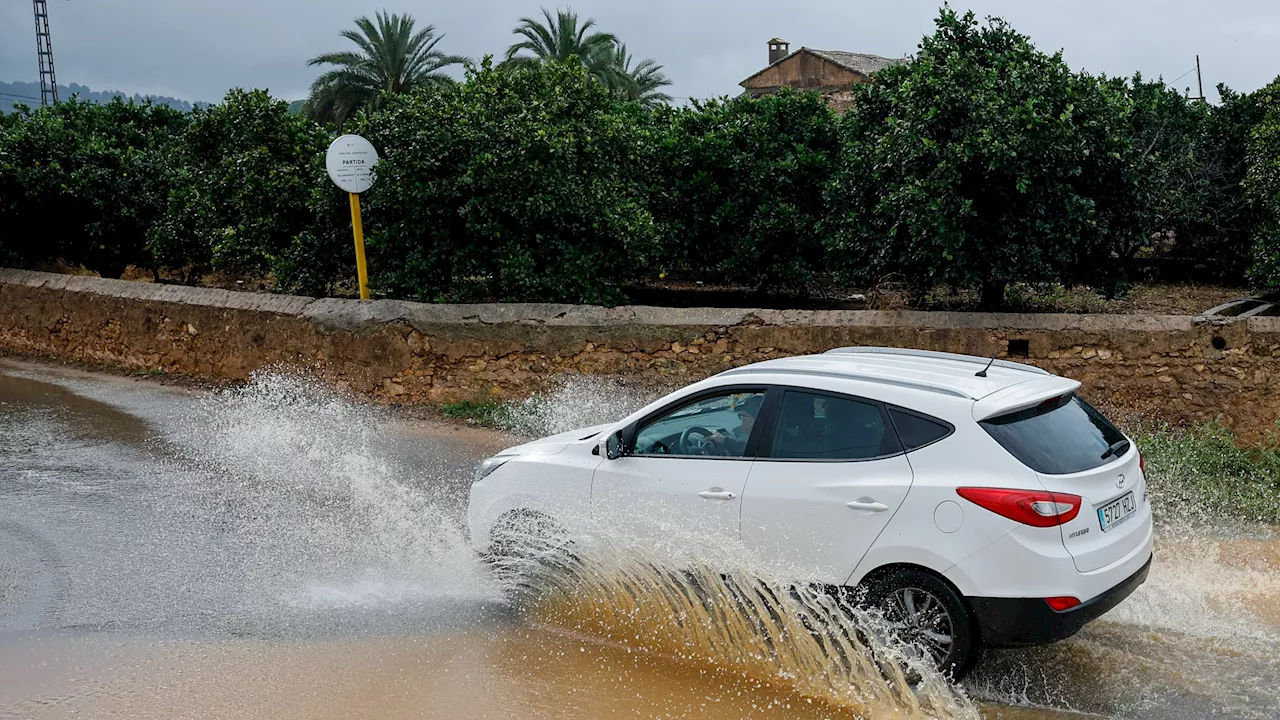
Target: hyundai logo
1120,482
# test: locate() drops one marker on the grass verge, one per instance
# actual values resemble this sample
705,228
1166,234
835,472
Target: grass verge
1200,474
487,413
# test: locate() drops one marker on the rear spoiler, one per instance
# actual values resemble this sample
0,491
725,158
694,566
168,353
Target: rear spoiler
1022,396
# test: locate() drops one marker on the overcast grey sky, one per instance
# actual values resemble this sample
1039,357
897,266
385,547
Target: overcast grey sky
197,49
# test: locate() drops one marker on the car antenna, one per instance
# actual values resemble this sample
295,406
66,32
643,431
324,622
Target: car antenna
983,371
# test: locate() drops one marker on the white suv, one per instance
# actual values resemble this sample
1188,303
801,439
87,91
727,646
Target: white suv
977,502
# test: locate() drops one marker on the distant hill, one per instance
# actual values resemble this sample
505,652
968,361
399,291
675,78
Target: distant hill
28,93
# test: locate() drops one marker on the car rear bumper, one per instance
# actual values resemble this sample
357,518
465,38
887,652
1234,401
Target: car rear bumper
1011,622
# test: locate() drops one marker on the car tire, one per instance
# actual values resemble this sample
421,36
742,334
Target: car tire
927,612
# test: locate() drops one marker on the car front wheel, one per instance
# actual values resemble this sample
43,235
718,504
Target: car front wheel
927,614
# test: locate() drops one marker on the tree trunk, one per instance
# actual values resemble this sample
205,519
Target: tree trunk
992,295
113,269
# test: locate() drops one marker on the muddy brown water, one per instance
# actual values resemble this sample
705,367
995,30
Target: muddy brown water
169,553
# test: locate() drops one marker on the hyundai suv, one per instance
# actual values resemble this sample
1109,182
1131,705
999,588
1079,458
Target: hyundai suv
978,503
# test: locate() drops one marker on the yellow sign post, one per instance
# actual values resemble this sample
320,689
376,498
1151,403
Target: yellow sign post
362,272
350,162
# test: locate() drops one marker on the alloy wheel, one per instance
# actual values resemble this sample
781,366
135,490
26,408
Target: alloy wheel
920,619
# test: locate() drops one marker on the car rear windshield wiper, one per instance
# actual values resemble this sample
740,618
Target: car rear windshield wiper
1117,448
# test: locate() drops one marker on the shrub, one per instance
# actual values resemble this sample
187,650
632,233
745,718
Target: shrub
1263,183
84,182
1201,474
979,163
241,182
1216,239
1160,187
514,185
321,259
738,189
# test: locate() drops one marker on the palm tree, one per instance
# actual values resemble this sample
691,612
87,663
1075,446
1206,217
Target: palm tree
560,39
392,57
641,83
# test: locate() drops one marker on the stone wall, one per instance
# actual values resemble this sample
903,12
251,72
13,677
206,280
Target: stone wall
1159,368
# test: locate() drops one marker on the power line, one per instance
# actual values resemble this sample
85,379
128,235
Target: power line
20,97
1182,76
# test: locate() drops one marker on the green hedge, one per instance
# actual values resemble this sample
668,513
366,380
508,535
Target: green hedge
1263,183
524,185
737,186
983,162
83,182
980,163
240,179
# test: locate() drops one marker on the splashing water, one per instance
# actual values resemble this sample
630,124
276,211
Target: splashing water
289,471
576,401
298,465
716,610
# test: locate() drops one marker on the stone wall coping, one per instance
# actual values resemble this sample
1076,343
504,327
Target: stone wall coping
341,314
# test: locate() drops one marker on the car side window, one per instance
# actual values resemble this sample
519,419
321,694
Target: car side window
915,431
811,426
716,426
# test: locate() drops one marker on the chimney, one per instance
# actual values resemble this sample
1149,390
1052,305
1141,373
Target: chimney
778,49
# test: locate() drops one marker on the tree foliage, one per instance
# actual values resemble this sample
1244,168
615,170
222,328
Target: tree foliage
641,82
564,176
739,189
240,181
514,185
83,182
1218,241
973,165
1263,183
393,57
563,38
1161,181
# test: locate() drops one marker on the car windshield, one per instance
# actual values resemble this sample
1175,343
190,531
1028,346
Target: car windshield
720,415
1057,437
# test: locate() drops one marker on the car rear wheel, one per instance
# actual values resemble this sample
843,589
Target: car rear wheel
927,614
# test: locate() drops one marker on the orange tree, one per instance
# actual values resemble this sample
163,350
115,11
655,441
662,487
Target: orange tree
980,163
239,185
737,186
1263,183
521,184
83,182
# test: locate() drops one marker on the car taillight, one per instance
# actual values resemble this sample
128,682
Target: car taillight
1142,464
1036,508
1065,602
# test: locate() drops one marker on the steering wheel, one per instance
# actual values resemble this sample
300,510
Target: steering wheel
696,447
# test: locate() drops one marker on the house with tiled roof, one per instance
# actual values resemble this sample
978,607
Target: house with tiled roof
833,73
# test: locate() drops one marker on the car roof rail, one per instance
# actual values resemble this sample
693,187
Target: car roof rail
937,355
851,375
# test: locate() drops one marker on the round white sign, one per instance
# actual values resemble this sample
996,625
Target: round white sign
350,162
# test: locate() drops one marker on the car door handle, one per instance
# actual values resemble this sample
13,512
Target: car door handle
716,495
870,506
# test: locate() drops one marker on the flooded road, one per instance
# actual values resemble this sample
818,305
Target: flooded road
280,553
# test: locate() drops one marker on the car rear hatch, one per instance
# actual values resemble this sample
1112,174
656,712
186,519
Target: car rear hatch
1078,452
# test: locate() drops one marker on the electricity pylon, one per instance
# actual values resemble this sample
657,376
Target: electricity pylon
44,53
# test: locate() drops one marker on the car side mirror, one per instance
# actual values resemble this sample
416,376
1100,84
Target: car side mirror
613,446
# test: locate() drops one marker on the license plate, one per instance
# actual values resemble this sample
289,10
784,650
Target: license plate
1117,511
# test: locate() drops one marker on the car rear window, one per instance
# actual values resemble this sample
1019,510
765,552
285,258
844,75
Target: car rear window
1057,437
916,431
